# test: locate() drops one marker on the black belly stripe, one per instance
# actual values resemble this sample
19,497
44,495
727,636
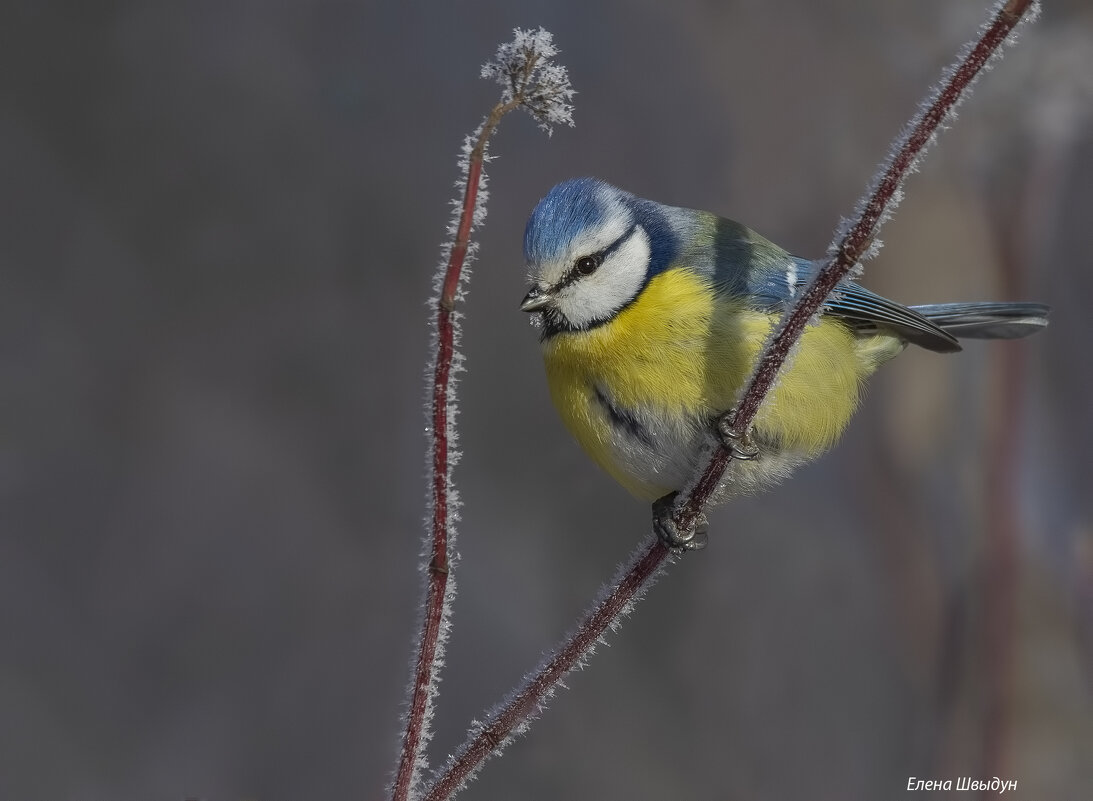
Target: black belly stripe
625,421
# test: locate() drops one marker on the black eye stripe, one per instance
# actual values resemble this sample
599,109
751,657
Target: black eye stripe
618,242
601,256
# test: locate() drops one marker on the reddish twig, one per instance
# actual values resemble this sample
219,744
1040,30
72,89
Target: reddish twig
852,245
529,80
1023,229
438,562
1000,568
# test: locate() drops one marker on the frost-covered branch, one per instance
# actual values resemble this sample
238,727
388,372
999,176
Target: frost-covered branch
854,241
531,81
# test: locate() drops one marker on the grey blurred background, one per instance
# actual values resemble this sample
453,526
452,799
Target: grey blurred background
218,228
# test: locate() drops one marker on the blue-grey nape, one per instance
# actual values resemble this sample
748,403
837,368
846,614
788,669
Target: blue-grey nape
664,244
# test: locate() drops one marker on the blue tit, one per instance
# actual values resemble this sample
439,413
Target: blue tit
652,318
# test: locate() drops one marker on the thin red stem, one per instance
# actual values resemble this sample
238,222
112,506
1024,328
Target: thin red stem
463,233
438,566
1022,229
1000,573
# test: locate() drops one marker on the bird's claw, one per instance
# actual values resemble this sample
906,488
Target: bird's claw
739,446
670,533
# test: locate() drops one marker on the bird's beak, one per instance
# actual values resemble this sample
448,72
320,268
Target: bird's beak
535,300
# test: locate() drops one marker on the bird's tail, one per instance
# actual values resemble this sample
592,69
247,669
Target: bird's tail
986,320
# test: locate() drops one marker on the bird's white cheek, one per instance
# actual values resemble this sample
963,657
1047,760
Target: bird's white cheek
590,301
598,297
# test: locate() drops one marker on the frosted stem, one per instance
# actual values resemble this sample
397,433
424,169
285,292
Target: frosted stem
531,81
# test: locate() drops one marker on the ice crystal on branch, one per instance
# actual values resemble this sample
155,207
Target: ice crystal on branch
531,80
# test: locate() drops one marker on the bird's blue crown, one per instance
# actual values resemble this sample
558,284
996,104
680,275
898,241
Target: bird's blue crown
576,205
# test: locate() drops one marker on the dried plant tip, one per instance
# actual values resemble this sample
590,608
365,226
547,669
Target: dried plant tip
530,80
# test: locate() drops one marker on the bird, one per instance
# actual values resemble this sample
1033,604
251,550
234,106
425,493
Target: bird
651,320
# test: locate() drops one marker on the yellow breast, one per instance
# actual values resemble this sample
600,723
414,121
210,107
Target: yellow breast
679,354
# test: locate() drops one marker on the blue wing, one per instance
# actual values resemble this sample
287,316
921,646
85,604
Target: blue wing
745,265
749,266
863,310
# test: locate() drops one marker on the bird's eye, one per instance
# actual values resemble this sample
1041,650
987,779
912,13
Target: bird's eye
587,265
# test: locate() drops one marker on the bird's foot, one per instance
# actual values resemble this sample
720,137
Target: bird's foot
674,537
740,446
